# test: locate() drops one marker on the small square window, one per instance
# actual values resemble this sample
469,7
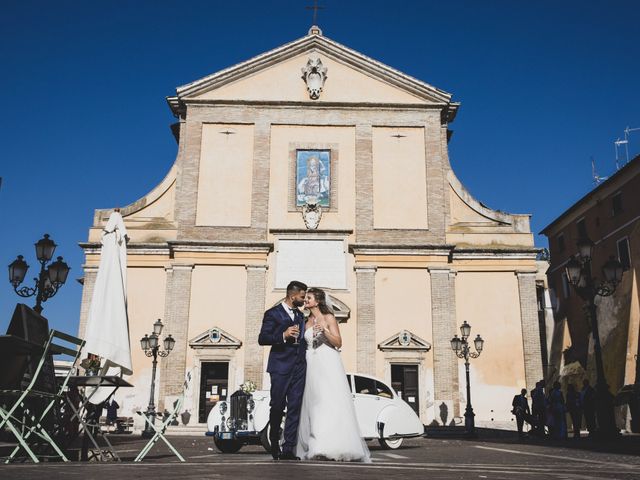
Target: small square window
582,228
624,254
616,203
561,245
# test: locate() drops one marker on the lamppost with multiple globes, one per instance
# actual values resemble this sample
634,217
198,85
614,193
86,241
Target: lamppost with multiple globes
460,346
151,346
578,271
50,278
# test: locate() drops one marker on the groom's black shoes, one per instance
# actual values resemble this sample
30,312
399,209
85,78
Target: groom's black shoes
288,456
275,451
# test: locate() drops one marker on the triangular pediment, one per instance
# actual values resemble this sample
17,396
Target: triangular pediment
404,340
276,76
215,337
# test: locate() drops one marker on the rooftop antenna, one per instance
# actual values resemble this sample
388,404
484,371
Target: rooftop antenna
597,179
618,143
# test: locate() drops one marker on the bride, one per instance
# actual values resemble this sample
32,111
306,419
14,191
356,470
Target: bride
328,427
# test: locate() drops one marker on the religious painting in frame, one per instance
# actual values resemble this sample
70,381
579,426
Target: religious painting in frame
313,177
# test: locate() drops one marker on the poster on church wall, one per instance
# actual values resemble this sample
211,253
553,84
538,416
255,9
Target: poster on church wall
313,177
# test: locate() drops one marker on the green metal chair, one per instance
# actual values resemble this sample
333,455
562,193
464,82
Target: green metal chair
160,430
28,412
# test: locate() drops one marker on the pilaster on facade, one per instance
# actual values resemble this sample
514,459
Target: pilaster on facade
443,315
255,306
364,178
188,174
260,182
366,321
88,283
530,328
176,319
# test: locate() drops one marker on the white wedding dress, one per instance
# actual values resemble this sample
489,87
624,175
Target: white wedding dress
328,425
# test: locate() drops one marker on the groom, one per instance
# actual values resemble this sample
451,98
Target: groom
287,366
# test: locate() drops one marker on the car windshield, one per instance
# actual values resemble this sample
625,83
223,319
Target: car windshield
383,391
365,386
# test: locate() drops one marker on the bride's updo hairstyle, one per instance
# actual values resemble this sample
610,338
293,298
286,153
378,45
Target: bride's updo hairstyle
321,298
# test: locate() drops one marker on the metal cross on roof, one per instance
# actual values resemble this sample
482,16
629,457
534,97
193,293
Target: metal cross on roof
315,9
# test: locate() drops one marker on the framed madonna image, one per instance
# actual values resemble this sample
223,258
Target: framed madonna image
313,177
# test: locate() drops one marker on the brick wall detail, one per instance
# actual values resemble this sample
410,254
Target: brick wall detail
530,328
176,320
255,301
366,321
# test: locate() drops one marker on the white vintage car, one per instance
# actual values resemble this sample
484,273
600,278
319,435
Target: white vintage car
243,418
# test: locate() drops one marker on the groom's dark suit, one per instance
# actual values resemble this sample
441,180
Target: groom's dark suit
287,366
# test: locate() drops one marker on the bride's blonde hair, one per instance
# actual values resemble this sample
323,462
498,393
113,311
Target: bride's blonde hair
321,298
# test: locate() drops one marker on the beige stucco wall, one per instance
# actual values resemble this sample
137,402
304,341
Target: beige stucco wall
283,82
284,139
488,301
218,299
224,181
145,304
399,178
403,302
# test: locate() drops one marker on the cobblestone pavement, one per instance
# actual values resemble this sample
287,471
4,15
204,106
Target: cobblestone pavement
424,458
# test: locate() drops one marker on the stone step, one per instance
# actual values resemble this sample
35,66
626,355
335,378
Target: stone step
187,430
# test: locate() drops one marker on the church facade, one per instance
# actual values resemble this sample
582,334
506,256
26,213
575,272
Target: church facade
316,163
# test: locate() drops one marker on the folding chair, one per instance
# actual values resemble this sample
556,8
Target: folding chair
89,424
27,418
160,430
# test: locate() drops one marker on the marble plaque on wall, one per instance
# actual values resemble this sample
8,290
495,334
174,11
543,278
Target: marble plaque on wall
318,263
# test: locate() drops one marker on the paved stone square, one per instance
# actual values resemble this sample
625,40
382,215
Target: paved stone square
488,457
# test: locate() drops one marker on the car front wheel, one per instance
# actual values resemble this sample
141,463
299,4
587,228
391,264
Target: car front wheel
388,444
227,446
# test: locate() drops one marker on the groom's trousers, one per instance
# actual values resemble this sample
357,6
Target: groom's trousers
287,391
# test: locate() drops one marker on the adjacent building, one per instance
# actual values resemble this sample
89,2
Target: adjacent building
317,163
609,215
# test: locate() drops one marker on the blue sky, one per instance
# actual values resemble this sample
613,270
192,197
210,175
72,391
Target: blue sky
544,85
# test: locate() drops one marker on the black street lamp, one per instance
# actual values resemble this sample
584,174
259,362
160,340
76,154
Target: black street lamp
151,346
578,271
461,348
49,280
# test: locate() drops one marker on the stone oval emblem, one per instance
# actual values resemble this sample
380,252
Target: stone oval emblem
214,335
404,338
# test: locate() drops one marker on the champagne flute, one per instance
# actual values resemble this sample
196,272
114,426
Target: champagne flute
296,336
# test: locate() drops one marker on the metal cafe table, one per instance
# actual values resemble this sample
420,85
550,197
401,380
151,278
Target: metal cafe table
88,419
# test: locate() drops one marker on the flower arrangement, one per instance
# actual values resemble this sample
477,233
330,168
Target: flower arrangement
248,387
91,364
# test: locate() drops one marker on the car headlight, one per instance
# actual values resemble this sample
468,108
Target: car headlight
223,424
231,423
242,424
250,405
223,407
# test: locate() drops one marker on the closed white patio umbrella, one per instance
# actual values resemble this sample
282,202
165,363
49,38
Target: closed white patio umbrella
107,331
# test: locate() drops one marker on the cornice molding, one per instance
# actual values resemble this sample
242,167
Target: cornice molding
373,249
170,247
488,254
220,247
